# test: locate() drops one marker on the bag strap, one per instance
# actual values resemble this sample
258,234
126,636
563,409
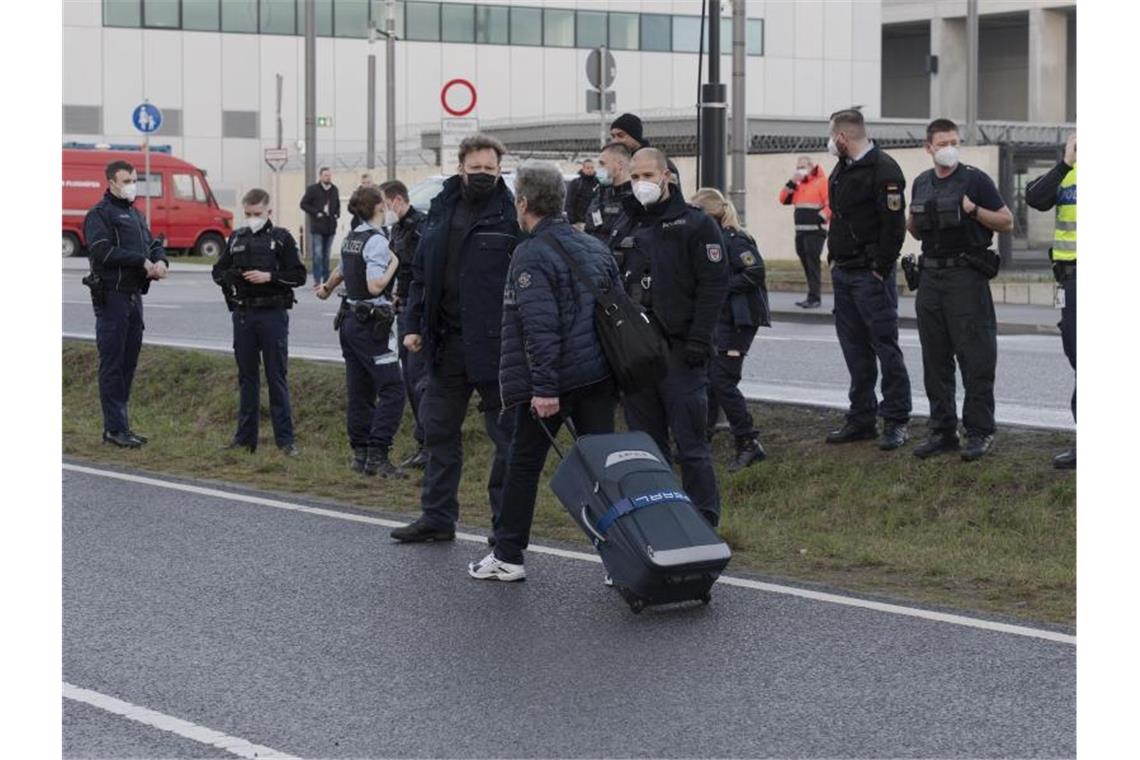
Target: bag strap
576,269
634,503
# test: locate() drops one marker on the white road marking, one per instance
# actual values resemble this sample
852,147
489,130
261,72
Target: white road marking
818,596
170,724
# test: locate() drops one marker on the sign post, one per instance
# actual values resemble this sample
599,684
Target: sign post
147,119
458,124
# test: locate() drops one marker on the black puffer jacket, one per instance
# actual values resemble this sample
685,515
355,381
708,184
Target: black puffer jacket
550,345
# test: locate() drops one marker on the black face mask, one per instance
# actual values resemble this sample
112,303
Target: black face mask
479,186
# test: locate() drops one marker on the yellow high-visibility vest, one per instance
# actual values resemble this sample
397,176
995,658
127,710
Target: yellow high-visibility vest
1065,230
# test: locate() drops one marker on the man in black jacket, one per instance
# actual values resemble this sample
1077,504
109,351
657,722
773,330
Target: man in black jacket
628,130
674,264
613,188
868,226
455,315
579,192
257,273
321,202
124,259
404,221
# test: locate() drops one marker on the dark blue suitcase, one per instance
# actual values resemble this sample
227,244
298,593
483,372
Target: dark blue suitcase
654,543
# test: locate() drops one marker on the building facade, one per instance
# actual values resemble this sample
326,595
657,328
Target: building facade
211,66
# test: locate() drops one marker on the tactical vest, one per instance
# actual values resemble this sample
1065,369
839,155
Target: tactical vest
1065,229
353,267
255,251
939,218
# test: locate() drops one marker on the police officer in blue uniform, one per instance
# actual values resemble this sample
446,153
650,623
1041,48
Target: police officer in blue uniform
403,221
744,312
124,259
455,317
372,375
257,273
674,264
868,226
954,210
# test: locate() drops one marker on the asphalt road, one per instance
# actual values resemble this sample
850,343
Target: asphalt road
310,633
792,362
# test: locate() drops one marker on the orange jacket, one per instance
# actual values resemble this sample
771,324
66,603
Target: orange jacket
810,200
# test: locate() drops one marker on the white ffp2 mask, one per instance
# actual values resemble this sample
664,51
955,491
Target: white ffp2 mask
646,192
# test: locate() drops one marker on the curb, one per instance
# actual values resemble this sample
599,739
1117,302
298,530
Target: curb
822,316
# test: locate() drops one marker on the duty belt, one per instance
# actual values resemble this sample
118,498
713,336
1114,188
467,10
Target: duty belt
367,312
943,262
265,302
1063,270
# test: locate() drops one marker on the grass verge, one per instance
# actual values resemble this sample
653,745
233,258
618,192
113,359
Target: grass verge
997,535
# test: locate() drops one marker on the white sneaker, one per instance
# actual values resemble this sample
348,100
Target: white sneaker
608,580
492,568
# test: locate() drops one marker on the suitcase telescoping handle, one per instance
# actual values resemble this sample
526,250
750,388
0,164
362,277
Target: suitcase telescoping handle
569,423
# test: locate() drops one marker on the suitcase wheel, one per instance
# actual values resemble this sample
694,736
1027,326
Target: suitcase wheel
636,605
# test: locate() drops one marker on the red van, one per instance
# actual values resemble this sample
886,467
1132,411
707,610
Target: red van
181,205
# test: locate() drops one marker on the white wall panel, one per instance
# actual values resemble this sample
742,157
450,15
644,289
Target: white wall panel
420,80
754,84
559,81
780,31
526,74
837,91
162,74
83,66
205,153
87,13
809,88
124,69
240,75
656,83
867,32
866,86
241,163
202,86
350,103
837,20
280,55
809,28
779,85
492,66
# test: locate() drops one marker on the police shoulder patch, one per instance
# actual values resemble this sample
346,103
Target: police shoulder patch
524,280
714,253
894,200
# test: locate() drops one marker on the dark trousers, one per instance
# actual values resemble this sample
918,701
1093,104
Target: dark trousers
262,334
415,380
679,403
592,410
724,393
1068,325
867,324
956,321
442,411
118,336
809,246
372,381
322,245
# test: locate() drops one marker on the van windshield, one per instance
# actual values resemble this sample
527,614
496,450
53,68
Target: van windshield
202,191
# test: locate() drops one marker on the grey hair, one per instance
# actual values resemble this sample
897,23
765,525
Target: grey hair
541,183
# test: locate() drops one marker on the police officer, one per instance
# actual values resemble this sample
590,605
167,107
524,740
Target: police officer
371,373
954,210
868,226
1058,188
455,317
257,273
613,188
674,265
744,312
124,259
403,221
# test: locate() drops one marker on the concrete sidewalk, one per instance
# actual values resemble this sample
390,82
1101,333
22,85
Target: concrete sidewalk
1012,319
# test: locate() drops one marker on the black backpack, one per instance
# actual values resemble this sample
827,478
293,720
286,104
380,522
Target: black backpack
634,347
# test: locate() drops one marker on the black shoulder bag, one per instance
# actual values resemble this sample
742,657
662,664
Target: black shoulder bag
635,349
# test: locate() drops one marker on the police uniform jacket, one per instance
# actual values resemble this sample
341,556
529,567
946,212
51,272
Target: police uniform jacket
405,236
118,244
550,345
746,307
679,248
487,245
270,249
605,209
868,218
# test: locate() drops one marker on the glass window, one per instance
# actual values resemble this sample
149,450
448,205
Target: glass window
557,28
161,14
200,193
526,26
755,35
423,21
457,23
183,187
492,24
380,17
686,34
239,15
122,13
351,18
656,32
623,31
591,29
324,13
144,187
200,15
279,17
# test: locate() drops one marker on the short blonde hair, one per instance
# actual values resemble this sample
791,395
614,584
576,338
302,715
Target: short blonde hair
718,207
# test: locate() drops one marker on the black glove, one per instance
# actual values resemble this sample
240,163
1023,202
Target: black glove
696,353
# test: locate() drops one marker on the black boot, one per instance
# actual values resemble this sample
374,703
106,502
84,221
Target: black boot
376,463
417,461
748,452
849,433
937,443
359,456
1066,460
